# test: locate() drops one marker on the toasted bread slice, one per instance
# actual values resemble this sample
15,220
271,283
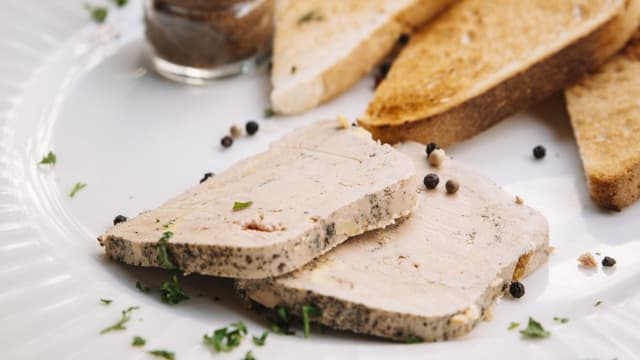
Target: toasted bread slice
434,276
484,60
322,47
605,112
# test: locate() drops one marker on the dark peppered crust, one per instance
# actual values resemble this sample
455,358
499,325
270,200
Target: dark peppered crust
522,90
271,260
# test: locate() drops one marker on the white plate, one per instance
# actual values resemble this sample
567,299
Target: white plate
136,140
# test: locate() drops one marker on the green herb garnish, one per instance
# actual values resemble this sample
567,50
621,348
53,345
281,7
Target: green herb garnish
561,320
126,316
535,330
513,325
138,341
163,255
224,339
171,292
260,340
414,339
269,112
249,356
163,354
598,303
309,311
283,323
169,224
140,286
237,206
77,187
98,13
106,301
121,3
50,159
312,15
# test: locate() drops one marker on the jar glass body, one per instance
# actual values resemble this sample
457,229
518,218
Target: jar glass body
194,41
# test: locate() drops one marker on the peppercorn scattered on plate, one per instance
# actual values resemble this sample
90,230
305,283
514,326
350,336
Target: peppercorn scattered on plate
87,133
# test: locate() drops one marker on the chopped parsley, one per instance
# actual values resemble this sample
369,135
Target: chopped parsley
598,303
50,159
163,255
414,339
140,286
163,354
171,292
77,187
259,341
126,316
98,13
312,15
226,339
513,325
169,224
282,324
269,112
249,356
534,330
309,311
561,320
237,206
121,3
138,341
106,301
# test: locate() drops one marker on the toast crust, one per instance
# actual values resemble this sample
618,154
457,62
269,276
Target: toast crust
396,122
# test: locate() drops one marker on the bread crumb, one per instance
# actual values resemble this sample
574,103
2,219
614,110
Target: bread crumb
344,122
519,200
437,157
588,261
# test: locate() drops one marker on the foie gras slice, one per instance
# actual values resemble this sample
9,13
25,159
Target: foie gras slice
432,276
309,192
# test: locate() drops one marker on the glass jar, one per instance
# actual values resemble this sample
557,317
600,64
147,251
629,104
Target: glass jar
193,41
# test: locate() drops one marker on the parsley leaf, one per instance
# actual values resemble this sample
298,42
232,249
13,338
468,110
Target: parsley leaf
561,320
126,316
249,356
49,159
163,354
282,322
237,206
138,341
171,292
534,330
163,254
261,340
309,311
106,301
77,187
140,286
414,339
224,339
98,13
513,325
269,112
121,3
312,15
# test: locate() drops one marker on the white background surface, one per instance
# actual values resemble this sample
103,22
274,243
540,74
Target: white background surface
84,91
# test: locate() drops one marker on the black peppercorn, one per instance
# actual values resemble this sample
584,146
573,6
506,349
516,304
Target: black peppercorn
539,152
452,186
431,181
206,177
252,127
119,219
226,141
431,147
608,261
516,289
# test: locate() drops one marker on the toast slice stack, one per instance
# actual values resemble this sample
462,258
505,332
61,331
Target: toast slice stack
322,47
483,60
605,113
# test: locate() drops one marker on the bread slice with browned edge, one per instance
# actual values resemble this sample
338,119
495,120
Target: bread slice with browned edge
276,211
322,47
605,113
432,277
484,60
